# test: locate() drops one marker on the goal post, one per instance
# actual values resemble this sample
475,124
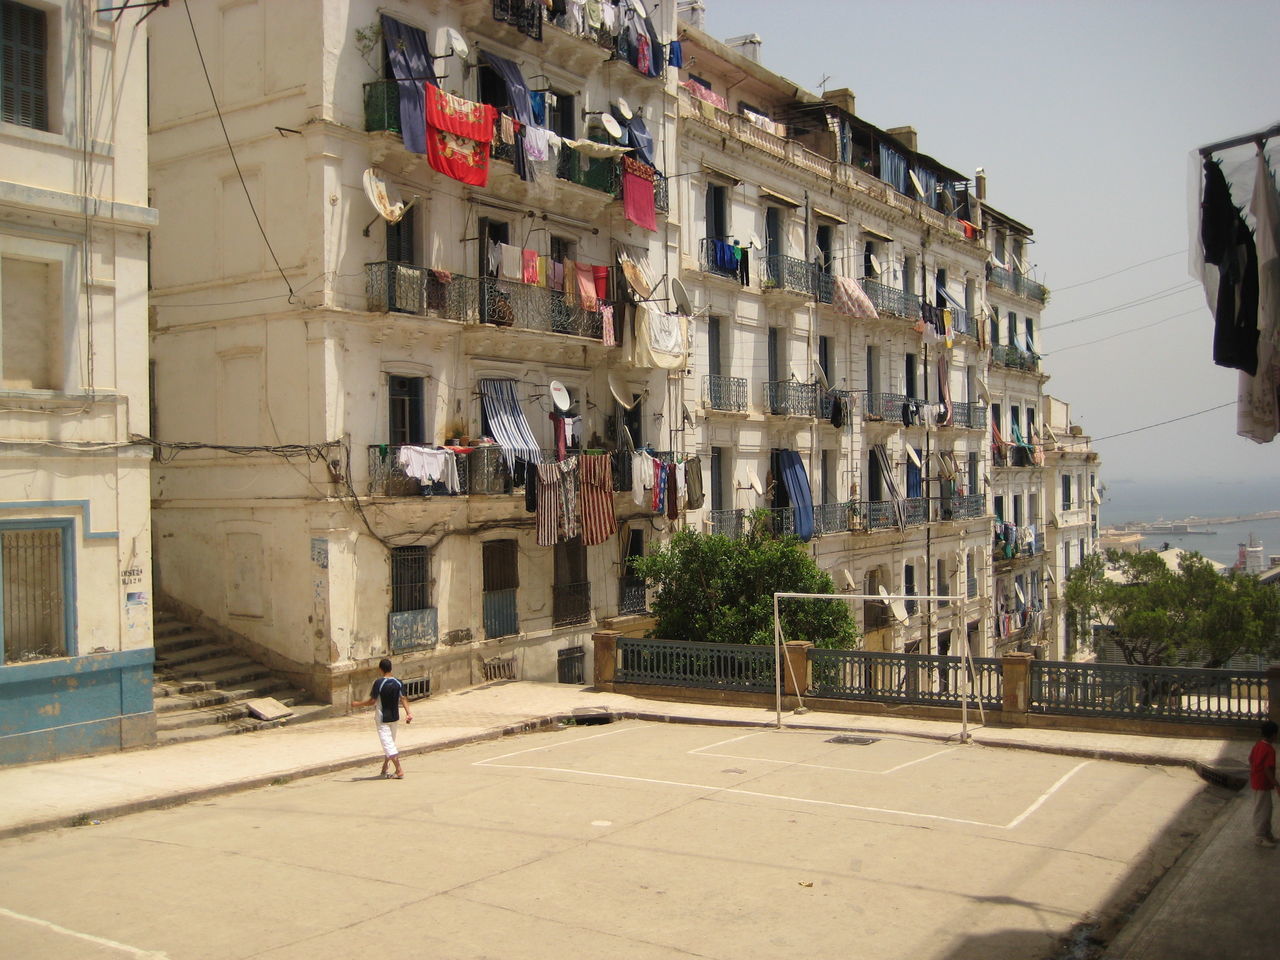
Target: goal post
967,655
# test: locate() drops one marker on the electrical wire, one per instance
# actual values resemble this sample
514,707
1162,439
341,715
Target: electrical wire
217,109
1122,333
1116,273
1152,426
1140,301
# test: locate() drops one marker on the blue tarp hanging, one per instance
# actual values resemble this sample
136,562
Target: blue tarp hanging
796,481
411,65
893,168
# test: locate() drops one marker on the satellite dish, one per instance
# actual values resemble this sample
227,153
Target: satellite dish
983,395
621,391
457,43
848,579
754,240
1017,588
899,610
560,396
688,417
1097,497
821,376
680,295
915,182
384,197
753,479
611,125
875,265
638,7
624,108
913,456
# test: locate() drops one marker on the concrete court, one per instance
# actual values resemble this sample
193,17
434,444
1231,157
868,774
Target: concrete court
630,840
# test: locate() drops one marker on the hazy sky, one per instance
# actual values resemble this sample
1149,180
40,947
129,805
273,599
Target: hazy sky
1083,114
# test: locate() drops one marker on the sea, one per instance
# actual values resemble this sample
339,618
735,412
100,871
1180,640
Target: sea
1179,499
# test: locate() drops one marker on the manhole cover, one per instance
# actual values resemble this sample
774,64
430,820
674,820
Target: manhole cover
854,741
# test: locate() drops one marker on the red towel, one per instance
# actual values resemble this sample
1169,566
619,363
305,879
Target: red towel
463,118
638,204
601,277
529,259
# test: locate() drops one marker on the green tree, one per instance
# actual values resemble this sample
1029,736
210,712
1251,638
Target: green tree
718,589
1156,615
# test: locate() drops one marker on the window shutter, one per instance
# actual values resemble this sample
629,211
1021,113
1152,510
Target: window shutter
24,95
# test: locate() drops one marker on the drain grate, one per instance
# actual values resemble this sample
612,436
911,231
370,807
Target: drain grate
854,741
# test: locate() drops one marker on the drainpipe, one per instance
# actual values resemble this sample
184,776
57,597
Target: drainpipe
924,464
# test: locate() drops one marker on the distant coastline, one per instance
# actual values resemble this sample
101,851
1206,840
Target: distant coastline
1192,525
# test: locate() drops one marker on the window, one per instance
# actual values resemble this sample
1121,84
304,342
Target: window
491,88
1017,509
994,324
631,589
973,475
717,211
563,248
997,417
909,586
830,478
1031,334
825,242
401,245
970,295
909,274
31,320
971,576
775,353
873,370
825,356
1013,329
942,588
940,284
909,371
24,83
501,579
491,232
570,591
713,351
1066,493
998,507
561,116
632,421
404,410
35,579
410,578
870,270
774,241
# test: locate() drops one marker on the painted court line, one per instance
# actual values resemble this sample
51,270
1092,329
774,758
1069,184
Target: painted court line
100,941
493,761
702,752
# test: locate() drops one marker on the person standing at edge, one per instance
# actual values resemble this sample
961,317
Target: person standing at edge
1262,778
388,695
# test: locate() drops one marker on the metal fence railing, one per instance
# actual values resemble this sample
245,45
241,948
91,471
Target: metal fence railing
725,393
903,677
718,666
832,518
1017,283
1156,693
791,398
778,272
717,257
892,300
632,596
972,416
1010,356
727,523
570,603
884,406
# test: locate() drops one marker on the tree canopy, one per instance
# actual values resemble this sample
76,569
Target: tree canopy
1155,615
718,589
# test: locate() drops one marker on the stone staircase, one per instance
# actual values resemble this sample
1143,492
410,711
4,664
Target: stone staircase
202,684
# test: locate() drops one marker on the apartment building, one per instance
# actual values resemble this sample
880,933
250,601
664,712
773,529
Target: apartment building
75,536
837,277
369,332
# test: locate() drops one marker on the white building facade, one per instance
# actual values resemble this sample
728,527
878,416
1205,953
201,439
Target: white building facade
75,538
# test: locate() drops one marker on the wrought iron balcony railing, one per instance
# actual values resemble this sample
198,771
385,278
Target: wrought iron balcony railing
718,258
885,406
1010,356
570,603
891,300
831,518
968,415
782,520
382,106
778,272
969,507
1018,283
791,398
405,288
826,400
725,393
482,471
727,523
632,597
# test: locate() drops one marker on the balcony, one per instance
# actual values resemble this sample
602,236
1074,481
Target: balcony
782,520
483,471
792,275
717,258
727,523
1010,356
500,616
826,400
382,106
891,300
969,507
419,291
831,518
790,398
632,597
915,511
885,406
1016,283
725,393
969,416
570,603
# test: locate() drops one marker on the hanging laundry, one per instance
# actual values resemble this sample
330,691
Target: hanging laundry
586,288
600,275
558,502
675,53
1229,247
596,495
1258,409
607,336
638,203
557,429
413,68
852,301
672,493
430,466
693,496
555,275
529,259
463,118
512,257
641,477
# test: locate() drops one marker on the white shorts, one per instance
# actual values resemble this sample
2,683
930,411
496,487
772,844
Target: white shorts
387,737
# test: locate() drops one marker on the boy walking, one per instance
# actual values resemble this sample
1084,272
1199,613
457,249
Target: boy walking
1262,778
387,696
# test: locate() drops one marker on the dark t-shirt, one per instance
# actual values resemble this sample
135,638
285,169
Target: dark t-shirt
388,690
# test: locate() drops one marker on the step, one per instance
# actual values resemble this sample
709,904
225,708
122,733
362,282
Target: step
206,669
303,713
213,695
190,637
173,659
